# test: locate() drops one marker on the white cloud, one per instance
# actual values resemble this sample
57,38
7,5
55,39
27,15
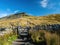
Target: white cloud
3,15
44,3
16,11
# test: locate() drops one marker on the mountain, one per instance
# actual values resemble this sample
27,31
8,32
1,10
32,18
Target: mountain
23,18
14,16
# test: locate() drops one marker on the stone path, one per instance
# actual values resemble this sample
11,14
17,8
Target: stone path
23,38
21,42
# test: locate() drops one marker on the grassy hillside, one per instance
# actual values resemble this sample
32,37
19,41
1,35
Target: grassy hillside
37,36
23,18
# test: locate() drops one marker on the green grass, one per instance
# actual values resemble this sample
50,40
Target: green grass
7,39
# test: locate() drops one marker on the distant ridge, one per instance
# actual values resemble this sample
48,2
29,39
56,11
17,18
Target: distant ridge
16,15
23,18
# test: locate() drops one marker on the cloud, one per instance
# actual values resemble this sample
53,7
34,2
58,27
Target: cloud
16,11
44,3
3,15
49,4
7,12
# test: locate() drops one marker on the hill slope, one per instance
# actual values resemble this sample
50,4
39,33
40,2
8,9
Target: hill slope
23,18
14,16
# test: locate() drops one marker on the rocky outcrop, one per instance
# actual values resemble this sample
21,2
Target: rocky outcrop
47,27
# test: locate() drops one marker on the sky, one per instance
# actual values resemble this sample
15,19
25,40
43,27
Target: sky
32,7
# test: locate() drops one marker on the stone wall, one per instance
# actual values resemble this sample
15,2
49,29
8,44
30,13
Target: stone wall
47,27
